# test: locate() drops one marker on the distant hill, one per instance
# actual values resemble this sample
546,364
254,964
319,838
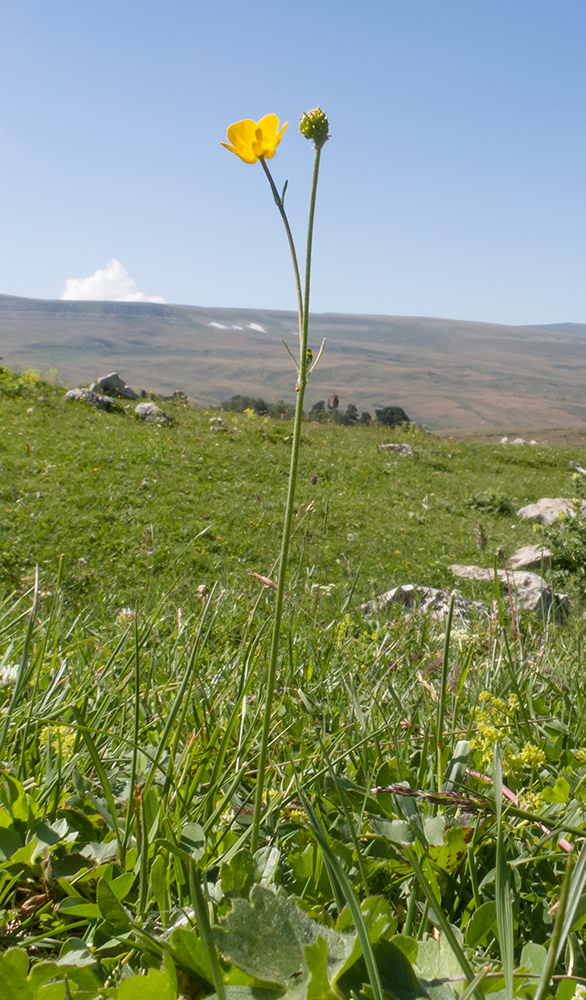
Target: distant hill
445,373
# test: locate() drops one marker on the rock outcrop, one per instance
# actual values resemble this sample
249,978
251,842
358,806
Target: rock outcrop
93,398
426,600
548,509
115,386
530,591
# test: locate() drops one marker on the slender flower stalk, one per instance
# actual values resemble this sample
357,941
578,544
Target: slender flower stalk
250,142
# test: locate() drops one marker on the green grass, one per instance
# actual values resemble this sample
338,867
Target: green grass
130,741
138,508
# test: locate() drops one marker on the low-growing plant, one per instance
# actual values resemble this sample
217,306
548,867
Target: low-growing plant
491,503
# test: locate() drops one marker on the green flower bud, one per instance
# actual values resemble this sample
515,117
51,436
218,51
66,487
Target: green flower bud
314,125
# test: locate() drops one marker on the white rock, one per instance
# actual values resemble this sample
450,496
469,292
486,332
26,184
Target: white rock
403,450
577,467
93,398
519,441
117,386
504,440
531,557
530,591
413,597
150,413
548,509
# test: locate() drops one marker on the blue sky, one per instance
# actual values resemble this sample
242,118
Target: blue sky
453,185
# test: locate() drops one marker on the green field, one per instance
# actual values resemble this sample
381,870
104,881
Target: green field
133,656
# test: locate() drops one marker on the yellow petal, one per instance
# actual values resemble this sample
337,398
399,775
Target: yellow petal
269,125
242,133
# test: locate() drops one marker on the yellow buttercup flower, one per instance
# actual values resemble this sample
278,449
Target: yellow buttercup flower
251,140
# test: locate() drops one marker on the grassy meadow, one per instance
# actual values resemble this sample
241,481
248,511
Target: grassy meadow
133,656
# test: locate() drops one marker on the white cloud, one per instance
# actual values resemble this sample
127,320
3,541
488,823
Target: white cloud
111,283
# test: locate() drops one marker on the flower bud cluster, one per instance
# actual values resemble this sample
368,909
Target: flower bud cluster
314,125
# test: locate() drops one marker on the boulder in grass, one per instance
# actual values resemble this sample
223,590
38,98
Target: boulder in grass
548,509
403,450
94,399
531,557
116,386
426,600
530,591
151,413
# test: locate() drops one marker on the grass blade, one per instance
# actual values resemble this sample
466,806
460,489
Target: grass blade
504,905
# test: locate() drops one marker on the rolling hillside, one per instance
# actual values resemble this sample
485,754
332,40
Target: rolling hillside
445,373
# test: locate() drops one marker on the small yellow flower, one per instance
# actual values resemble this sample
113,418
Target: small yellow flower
250,140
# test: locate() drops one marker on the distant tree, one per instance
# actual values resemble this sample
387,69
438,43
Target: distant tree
238,404
281,410
391,416
365,417
333,402
352,413
317,410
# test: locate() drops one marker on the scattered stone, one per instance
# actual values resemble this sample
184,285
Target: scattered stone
426,600
151,413
577,467
519,441
534,442
218,425
93,398
115,385
548,509
504,440
403,450
530,590
531,557
313,478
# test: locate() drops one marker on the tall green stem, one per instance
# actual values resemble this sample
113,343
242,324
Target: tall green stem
303,310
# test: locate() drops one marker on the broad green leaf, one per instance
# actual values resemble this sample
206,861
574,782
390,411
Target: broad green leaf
408,945
122,885
193,840
533,958
566,989
378,918
397,830
111,910
154,986
238,875
266,936
434,830
267,862
453,852
397,975
436,960
13,975
10,842
73,906
189,952
481,924
316,957
560,791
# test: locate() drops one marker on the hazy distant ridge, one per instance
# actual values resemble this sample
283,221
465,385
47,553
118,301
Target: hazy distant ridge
445,373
